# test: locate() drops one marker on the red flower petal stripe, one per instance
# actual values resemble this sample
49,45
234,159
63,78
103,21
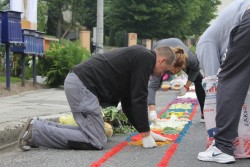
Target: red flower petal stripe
109,154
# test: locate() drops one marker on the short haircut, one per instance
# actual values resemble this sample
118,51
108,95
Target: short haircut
167,52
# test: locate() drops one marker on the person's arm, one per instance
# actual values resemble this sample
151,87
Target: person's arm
193,67
154,85
145,134
192,70
147,140
142,68
209,57
188,84
151,107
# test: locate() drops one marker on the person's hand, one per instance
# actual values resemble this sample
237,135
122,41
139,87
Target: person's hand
157,137
148,142
152,116
183,91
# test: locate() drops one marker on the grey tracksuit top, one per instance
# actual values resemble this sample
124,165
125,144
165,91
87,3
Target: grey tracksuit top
213,43
192,67
121,75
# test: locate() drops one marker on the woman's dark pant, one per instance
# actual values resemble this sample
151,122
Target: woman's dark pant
200,92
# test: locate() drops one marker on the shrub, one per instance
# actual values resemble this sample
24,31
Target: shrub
28,72
59,59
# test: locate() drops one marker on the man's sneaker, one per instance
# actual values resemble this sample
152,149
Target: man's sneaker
25,136
213,154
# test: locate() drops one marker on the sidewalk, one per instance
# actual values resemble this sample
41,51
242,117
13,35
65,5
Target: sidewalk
14,111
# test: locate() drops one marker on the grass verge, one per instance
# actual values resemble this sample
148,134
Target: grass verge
12,79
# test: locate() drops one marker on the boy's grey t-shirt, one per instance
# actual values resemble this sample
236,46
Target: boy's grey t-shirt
213,43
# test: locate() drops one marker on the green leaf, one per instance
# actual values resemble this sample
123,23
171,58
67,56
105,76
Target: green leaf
170,130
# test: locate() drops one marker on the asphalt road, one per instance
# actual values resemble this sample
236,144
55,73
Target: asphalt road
130,156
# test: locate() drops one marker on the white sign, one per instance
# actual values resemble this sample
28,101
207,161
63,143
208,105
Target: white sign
28,9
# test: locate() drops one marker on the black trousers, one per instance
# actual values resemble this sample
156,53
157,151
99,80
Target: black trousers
200,92
233,84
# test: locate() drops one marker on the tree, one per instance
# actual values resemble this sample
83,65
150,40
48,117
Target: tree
4,4
83,14
207,13
150,19
55,21
156,18
87,14
42,10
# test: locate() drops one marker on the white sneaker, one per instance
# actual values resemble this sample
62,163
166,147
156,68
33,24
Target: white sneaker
202,120
213,154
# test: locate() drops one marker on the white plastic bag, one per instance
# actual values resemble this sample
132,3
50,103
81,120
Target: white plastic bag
242,142
210,85
179,81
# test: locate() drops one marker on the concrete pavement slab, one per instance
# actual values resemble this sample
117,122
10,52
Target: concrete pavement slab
14,110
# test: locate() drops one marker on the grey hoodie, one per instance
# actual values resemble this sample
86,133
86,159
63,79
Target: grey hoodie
213,43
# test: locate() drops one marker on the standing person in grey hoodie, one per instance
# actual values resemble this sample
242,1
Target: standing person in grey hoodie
189,64
226,45
103,80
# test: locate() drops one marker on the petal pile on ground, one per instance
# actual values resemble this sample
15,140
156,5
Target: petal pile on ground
171,121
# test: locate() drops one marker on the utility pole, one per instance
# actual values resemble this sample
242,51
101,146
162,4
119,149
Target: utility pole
99,26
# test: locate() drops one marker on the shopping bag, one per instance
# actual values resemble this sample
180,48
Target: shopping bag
242,142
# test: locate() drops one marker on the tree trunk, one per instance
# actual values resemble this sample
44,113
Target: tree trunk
59,28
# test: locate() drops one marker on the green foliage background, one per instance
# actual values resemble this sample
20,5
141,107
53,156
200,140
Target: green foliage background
42,10
151,19
59,59
159,18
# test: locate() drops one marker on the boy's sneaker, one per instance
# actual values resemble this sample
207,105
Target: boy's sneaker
213,154
25,136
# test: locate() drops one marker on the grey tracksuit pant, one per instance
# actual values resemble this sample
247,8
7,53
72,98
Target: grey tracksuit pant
90,133
233,84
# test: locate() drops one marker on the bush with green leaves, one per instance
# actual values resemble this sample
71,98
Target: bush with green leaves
59,59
